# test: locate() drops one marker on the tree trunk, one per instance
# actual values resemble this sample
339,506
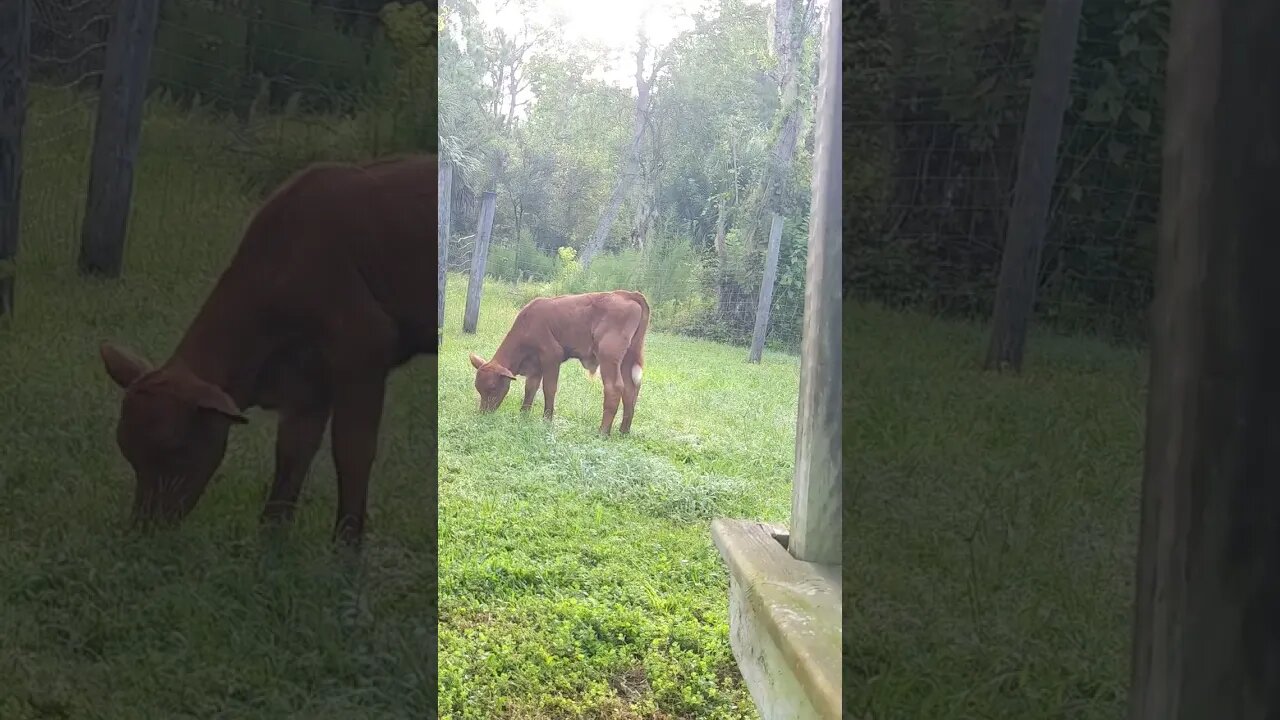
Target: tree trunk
722,254
788,38
631,164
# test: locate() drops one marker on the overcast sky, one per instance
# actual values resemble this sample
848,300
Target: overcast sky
612,23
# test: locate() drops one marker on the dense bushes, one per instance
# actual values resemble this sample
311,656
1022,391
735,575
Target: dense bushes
297,82
937,115
679,283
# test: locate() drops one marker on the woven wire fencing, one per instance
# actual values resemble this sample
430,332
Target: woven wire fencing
936,98
687,294
68,41
240,95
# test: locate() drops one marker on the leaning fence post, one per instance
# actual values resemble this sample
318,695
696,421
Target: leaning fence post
115,137
471,314
1033,190
766,290
444,190
15,58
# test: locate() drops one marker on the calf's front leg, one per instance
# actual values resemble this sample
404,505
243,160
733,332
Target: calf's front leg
357,413
530,390
298,437
550,380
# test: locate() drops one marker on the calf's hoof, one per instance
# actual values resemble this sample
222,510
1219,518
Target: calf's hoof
349,535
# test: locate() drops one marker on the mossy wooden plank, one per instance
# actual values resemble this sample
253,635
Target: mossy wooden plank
784,622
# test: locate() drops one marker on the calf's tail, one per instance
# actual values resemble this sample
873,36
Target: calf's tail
633,361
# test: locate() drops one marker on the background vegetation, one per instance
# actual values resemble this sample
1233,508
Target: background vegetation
936,96
554,150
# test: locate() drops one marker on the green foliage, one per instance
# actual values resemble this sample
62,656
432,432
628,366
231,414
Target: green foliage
518,261
937,128
227,55
715,115
382,103
411,97
598,593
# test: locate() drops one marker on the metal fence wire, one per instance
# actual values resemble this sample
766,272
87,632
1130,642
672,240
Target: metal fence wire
937,93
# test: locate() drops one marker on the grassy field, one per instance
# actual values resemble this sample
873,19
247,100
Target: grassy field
206,621
991,524
577,574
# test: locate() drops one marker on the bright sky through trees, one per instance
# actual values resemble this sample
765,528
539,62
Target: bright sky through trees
613,24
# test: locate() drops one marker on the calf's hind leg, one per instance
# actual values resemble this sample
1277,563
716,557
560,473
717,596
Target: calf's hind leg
630,392
612,350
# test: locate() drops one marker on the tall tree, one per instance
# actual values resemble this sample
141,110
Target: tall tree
640,124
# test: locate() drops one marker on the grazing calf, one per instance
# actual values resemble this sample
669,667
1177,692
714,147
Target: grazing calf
603,330
329,290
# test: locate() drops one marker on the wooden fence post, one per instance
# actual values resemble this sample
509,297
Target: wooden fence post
816,492
115,137
1208,582
766,290
444,195
471,313
15,65
1037,168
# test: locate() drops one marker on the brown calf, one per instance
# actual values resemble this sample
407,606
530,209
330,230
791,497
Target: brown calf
603,330
330,289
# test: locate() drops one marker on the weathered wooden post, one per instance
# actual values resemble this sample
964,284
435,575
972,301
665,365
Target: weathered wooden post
816,492
1206,643
116,136
1033,190
484,226
15,63
444,195
766,290
785,587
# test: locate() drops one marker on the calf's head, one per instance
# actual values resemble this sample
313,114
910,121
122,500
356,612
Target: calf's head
492,382
173,430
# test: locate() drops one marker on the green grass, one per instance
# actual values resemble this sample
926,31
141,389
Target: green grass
990,524
208,620
577,574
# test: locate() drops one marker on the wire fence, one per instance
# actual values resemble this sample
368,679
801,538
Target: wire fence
240,95
68,40
685,294
937,95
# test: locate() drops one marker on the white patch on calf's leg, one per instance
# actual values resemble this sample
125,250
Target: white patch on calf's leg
637,373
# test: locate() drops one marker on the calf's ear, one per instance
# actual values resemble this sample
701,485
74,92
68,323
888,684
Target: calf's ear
476,361
212,397
503,372
123,366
